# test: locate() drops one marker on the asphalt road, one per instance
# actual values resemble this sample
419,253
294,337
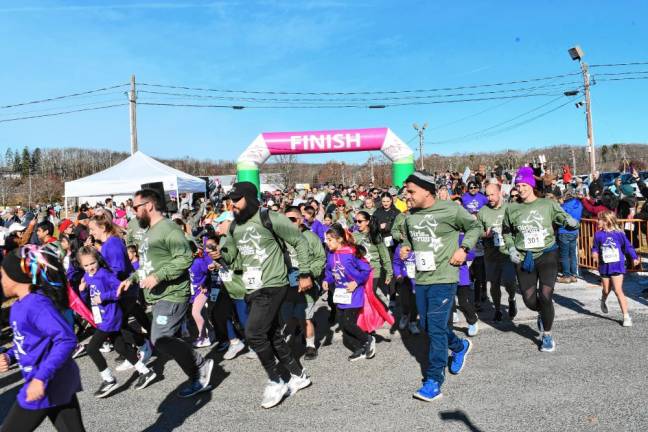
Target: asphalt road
595,381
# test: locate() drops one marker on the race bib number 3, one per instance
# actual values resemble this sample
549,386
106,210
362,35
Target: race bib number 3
342,296
425,261
533,240
611,255
252,278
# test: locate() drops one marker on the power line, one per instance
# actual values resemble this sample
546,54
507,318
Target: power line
358,92
66,107
63,97
620,79
618,64
62,113
622,73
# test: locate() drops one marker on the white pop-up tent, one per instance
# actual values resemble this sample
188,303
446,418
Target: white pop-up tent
127,177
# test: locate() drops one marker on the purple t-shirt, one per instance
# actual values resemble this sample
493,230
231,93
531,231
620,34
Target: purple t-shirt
114,252
473,203
43,346
198,273
400,266
105,284
611,247
342,268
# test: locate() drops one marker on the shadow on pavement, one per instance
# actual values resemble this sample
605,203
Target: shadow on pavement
578,306
459,416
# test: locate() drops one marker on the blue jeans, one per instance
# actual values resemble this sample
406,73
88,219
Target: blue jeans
434,303
241,308
568,261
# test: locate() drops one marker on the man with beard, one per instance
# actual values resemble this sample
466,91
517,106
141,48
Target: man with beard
165,258
265,275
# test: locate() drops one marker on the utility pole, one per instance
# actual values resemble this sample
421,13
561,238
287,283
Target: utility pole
577,53
573,161
421,135
132,99
371,165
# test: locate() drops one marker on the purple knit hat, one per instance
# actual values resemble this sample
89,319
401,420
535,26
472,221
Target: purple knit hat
525,175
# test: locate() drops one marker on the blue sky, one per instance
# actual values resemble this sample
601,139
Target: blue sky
55,48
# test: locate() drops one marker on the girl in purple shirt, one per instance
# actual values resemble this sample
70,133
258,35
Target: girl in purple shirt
198,273
345,274
102,286
43,343
609,250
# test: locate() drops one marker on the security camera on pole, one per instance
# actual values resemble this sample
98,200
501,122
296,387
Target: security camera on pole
577,53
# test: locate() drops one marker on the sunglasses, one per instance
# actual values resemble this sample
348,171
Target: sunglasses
360,220
293,219
135,207
474,187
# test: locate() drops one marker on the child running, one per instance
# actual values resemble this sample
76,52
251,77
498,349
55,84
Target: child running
198,273
609,250
43,343
345,274
102,287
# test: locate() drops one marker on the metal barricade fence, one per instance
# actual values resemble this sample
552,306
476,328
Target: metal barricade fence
636,231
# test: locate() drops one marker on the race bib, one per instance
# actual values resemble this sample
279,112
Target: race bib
389,241
497,237
252,278
294,262
342,296
410,268
225,275
213,294
610,255
425,261
96,315
533,240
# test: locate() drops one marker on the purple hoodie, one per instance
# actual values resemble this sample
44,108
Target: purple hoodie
400,266
198,273
43,346
473,203
342,267
114,253
612,244
105,284
319,228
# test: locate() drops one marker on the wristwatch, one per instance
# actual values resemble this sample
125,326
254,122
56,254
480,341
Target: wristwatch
465,248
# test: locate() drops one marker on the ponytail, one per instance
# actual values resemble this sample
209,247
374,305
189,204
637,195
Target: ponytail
338,231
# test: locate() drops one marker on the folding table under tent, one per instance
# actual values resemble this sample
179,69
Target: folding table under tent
127,177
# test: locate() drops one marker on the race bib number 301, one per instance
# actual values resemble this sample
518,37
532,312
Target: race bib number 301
533,240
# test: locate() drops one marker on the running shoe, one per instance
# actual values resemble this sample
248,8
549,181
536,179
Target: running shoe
604,307
512,310
540,324
145,379
370,350
106,388
458,359
233,350
627,321
473,329
250,354
201,383
359,354
202,343
429,392
106,347
455,317
548,343
145,352
403,322
413,329
498,315
310,353
124,366
79,351
573,279
563,279
274,393
298,382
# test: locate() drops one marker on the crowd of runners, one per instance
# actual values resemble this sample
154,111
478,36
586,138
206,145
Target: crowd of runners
244,274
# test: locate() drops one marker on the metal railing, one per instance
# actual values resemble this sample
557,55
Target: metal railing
638,237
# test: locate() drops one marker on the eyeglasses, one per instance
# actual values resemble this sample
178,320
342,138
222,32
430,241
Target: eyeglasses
135,207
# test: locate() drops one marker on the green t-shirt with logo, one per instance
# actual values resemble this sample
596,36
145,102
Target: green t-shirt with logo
377,255
433,235
492,218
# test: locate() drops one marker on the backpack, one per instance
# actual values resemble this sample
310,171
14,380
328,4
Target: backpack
264,214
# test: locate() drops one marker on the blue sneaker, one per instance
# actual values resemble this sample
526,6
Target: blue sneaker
548,344
458,359
429,391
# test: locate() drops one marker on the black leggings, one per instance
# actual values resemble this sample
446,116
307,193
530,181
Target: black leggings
407,298
465,306
219,312
478,276
121,347
65,418
130,307
352,335
540,298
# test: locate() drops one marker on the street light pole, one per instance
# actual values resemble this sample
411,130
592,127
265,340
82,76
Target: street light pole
421,135
577,53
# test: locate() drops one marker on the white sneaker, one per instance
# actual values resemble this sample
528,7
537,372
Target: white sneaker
250,354
455,317
274,393
106,347
145,352
413,329
124,366
233,350
298,382
604,307
473,329
202,343
205,372
402,323
627,321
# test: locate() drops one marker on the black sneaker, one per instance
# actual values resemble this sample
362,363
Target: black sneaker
145,379
370,348
358,355
106,388
498,315
512,310
311,353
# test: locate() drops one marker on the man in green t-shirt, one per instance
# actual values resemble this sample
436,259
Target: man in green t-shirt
432,233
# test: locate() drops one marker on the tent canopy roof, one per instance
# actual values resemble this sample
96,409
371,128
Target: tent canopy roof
128,176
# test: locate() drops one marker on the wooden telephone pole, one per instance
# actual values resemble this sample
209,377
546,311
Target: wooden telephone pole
132,99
